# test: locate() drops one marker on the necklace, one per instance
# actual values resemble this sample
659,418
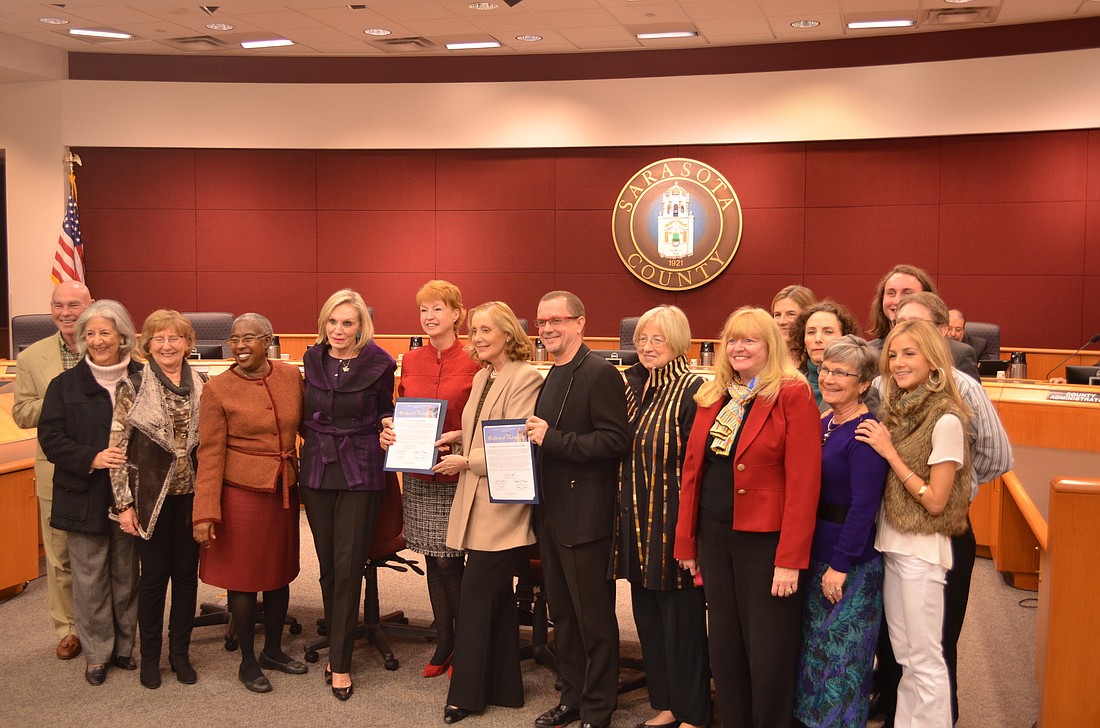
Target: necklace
345,365
834,425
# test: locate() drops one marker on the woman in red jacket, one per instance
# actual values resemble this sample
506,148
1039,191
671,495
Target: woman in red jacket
748,504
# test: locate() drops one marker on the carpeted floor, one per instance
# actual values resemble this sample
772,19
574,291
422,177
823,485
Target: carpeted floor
995,663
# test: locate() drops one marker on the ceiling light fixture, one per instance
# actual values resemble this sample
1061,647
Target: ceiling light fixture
473,45
53,21
668,34
92,33
529,38
377,31
219,26
273,43
882,24
805,24
483,6
958,2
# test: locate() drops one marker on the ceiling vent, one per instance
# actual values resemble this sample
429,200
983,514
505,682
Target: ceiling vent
197,43
959,16
403,45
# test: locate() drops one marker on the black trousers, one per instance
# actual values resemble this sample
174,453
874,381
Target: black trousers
581,600
486,657
956,597
170,555
672,628
755,638
342,522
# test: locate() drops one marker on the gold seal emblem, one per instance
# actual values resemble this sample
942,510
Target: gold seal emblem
676,224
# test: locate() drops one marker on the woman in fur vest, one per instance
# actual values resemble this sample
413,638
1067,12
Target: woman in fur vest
156,424
921,435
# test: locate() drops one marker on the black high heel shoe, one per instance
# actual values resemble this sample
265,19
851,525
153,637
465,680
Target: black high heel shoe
343,693
453,714
328,675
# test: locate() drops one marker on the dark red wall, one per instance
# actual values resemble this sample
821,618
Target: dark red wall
1008,224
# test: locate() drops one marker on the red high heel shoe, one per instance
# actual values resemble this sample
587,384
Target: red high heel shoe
431,670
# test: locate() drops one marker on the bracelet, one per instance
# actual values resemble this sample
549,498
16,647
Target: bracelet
921,492
907,477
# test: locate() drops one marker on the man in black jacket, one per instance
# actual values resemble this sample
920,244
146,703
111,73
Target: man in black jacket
580,426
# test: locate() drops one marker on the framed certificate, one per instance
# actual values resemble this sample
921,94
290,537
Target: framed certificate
509,462
418,423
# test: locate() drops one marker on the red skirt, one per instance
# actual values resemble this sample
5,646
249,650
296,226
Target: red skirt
256,548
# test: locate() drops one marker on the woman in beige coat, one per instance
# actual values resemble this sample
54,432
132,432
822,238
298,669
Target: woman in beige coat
494,535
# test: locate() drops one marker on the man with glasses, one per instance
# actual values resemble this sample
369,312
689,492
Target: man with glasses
35,368
580,426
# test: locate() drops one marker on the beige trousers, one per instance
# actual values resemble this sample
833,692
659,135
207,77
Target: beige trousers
59,577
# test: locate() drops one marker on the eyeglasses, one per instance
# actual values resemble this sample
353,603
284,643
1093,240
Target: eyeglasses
554,322
657,341
822,372
166,339
247,339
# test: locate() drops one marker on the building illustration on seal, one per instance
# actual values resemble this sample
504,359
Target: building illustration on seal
675,225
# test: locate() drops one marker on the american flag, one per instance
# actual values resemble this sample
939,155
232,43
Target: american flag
68,261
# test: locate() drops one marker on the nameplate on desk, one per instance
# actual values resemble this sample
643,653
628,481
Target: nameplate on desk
1086,397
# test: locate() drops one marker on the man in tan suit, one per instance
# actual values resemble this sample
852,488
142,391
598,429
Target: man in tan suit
35,368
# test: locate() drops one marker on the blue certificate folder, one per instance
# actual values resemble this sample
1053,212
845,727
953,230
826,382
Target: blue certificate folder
426,417
510,462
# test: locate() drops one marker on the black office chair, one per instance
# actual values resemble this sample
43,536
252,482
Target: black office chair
211,328
626,332
990,332
28,329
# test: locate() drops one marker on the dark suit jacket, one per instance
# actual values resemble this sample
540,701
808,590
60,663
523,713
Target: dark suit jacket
963,356
74,427
979,345
579,457
777,474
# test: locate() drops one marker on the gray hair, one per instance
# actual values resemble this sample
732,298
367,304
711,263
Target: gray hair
856,353
114,312
261,321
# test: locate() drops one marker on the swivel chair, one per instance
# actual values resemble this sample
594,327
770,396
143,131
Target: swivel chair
28,329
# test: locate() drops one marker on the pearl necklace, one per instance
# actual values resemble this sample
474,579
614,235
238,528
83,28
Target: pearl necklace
835,424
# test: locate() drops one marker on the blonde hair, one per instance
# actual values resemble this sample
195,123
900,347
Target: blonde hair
346,296
518,346
778,369
799,294
165,318
446,293
672,323
932,345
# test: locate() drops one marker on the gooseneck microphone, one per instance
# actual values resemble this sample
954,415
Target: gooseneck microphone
1093,340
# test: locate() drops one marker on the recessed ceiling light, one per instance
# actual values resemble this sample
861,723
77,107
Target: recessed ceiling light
219,26
473,45
882,24
92,33
53,21
377,31
669,34
958,2
483,6
273,43
529,38
805,24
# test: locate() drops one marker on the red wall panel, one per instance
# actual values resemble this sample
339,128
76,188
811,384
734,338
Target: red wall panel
1009,225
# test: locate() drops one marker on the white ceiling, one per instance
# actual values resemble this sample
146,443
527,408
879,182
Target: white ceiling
330,28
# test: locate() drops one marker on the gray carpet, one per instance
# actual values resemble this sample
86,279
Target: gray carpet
995,664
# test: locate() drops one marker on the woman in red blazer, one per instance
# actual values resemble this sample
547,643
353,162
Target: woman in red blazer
748,505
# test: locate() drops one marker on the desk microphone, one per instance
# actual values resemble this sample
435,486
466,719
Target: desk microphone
1093,340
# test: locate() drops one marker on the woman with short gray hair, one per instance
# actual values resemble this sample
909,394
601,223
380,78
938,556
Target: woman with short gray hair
74,431
841,618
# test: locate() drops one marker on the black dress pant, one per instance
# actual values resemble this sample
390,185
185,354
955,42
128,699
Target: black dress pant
342,522
956,597
581,600
672,628
486,657
755,638
170,555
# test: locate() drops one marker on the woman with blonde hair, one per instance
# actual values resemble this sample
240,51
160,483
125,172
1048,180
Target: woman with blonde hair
748,504
787,304
922,436
495,536
349,391
670,611
442,370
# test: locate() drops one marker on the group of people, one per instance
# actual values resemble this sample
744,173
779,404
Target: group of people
778,524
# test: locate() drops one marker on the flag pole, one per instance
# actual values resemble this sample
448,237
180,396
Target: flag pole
68,260
71,159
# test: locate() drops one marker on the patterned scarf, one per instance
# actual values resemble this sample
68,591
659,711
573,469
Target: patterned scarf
728,421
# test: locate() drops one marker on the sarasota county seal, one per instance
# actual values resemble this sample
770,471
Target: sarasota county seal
676,224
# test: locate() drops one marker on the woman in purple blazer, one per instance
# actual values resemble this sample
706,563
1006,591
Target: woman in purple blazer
349,389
